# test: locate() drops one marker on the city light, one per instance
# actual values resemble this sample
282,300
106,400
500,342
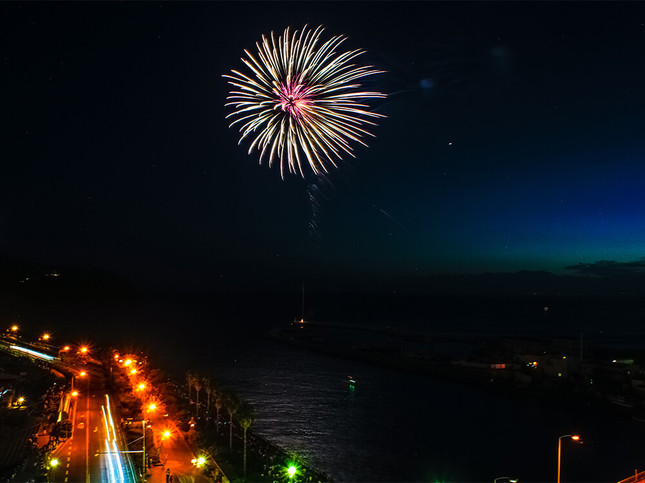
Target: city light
14,328
65,349
84,350
291,471
82,374
74,393
53,463
46,336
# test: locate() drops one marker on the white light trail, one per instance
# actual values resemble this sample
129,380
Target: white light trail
33,352
113,454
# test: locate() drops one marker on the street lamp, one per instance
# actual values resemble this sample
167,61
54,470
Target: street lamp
53,463
574,437
506,478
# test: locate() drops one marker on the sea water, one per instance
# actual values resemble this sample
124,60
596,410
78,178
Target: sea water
393,425
399,426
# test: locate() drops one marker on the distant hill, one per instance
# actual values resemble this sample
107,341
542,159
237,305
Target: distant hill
27,286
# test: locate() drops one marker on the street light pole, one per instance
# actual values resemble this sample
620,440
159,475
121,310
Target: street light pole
574,437
144,468
52,471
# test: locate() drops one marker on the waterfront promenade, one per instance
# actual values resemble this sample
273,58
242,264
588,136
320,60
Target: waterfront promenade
176,456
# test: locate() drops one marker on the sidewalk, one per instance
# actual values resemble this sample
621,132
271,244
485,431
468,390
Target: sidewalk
175,455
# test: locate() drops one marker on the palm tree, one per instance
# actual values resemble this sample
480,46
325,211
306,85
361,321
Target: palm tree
189,383
231,406
209,390
198,387
245,417
219,403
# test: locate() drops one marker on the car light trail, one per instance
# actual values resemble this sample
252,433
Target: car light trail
34,353
108,452
115,463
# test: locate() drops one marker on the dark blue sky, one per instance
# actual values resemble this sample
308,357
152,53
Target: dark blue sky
513,141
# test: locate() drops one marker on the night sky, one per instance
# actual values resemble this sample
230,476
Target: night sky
514,140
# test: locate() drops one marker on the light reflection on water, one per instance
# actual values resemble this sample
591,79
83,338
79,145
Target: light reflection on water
395,425
398,426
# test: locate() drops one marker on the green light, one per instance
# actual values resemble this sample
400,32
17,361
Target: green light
54,462
291,471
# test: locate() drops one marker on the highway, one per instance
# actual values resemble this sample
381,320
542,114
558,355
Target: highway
94,451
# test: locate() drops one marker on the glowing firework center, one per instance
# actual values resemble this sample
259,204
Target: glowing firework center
302,102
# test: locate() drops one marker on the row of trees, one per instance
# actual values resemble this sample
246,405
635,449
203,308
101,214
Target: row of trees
237,410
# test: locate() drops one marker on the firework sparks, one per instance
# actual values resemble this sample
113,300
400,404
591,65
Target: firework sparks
302,103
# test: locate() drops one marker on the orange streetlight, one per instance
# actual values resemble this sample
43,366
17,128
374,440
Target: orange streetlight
82,374
46,336
14,328
84,350
574,437
74,393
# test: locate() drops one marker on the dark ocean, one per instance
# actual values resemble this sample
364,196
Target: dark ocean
396,425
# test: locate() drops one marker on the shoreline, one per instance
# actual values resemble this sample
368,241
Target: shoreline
484,375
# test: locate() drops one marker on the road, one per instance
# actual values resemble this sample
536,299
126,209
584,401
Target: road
89,455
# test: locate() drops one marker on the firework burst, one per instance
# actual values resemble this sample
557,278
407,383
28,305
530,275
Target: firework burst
301,102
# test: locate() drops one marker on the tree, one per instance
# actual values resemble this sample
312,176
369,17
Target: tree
219,403
198,387
209,390
231,406
245,417
189,382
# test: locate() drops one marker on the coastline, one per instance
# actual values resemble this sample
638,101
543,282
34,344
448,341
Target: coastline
495,376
